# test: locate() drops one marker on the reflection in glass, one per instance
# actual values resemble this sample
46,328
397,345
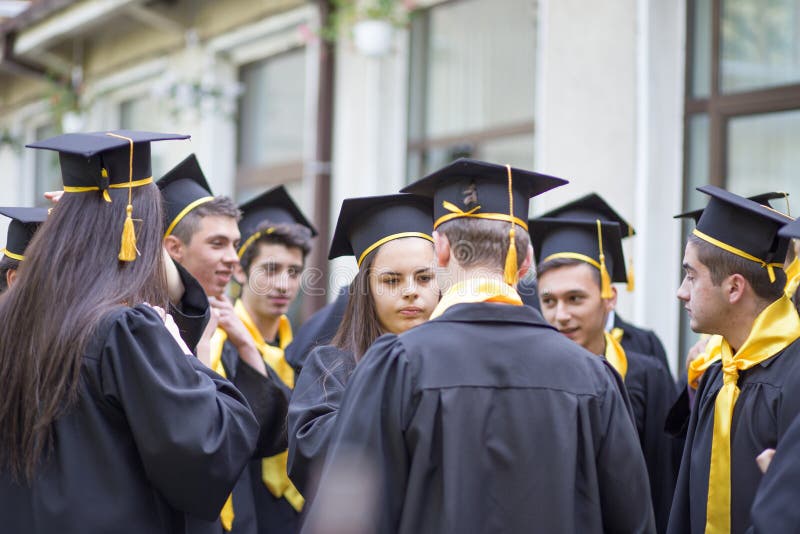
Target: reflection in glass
760,44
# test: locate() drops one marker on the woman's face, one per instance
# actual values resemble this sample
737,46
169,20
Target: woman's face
403,284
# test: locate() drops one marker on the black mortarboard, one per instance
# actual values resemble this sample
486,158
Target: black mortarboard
183,188
471,188
84,156
97,161
762,198
791,230
24,223
365,223
589,208
274,206
580,239
743,227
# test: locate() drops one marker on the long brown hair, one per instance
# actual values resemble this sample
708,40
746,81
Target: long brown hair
70,280
359,327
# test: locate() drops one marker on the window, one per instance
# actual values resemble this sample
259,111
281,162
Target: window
742,112
472,84
143,113
271,122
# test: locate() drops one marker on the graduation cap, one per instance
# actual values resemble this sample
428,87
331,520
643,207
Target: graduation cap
365,223
743,227
99,161
762,198
477,189
274,206
24,223
598,243
590,208
183,188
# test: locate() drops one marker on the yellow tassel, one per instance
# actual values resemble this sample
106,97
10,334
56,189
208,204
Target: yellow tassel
510,272
631,278
605,279
127,249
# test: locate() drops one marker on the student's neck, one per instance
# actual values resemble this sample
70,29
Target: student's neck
739,323
267,325
597,345
457,274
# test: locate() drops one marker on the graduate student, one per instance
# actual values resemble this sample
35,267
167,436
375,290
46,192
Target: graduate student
394,290
24,223
633,338
578,262
109,423
775,505
734,287
202,235
275,240
485,418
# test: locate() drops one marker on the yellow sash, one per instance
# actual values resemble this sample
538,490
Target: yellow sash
773,330
792,277
477,290
615,355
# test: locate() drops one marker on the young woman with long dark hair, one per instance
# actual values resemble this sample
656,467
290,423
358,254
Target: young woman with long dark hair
393,291
108,423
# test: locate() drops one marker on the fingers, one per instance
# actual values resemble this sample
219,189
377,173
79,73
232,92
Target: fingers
53,196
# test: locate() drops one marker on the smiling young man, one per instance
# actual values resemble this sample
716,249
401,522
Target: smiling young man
202,235
276,238
746,400
578,261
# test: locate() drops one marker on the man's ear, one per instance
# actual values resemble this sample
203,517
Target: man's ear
610,303
441,246
526,264
11,275
735,286
174,247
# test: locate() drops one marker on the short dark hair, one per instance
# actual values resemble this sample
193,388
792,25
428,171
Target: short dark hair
6,264
221,206
483,242
555,263
722,264
288,235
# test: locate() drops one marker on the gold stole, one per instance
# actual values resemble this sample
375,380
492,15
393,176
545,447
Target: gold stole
273,469
477,290
774,329
792,277
615,355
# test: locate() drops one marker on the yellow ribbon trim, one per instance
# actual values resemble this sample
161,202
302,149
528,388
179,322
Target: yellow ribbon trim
697,367
773,330
458,212
184,212
11,255
617,334
477,290
741,253
388,238
106,197
226,515
792,277
615,355
250,240
573,256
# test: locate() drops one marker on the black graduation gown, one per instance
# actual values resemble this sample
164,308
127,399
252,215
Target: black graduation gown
652,392
640,340
154,442
318,330
192,313
775,508
312,413
528,292
486,419
769,400
269,399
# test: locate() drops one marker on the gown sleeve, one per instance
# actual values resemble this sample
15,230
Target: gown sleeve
312,413
194,431
192,313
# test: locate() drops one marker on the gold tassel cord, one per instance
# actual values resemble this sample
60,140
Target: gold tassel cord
510,272
605,279
127,248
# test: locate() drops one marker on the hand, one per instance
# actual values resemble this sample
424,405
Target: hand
237,333
53,196
696,350
204,345
764,459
